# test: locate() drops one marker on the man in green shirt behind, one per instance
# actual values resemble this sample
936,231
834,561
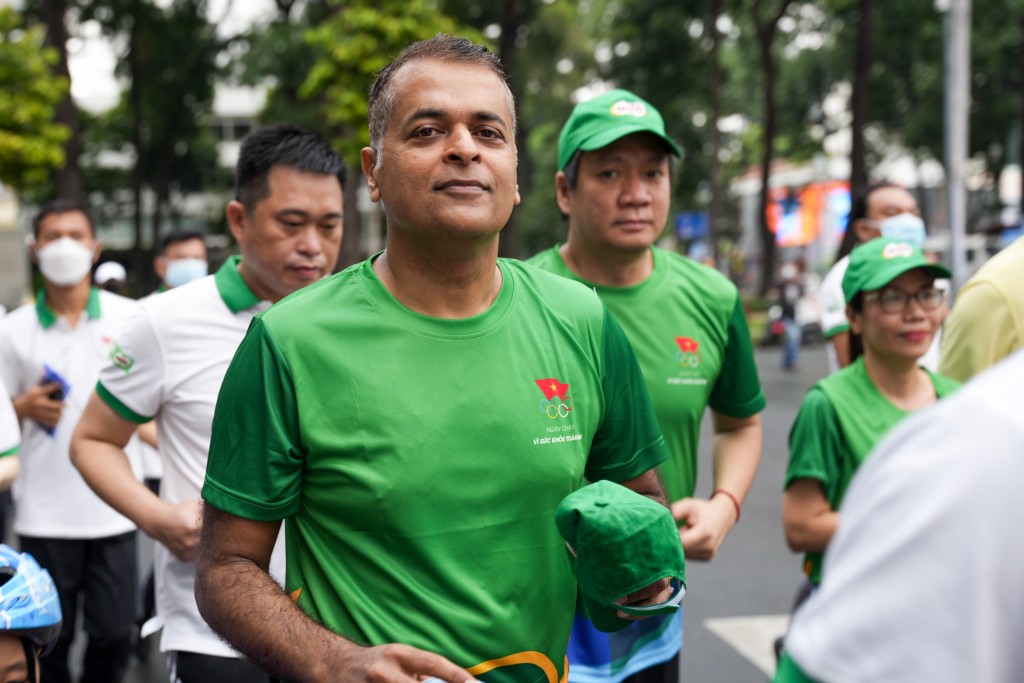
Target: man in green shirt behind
416,419
686,325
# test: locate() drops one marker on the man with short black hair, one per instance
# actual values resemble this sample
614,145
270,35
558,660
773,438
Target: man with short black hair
51,352
181,259
170,360
416,419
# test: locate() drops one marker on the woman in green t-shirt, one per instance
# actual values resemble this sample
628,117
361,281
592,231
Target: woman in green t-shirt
895,309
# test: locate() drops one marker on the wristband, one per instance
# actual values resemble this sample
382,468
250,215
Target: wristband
733,498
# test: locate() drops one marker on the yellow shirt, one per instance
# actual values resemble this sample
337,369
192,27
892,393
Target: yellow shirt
987,321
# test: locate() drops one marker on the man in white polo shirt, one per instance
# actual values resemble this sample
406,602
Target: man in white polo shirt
10,441
50,355
169,362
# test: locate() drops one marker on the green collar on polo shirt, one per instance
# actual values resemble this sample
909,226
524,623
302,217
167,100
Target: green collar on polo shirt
47,316
232,287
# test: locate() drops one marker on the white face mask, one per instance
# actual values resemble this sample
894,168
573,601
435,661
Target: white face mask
905,227
65,262
183,270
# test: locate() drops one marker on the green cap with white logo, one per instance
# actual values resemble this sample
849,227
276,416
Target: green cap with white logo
619,542
875,264
604,119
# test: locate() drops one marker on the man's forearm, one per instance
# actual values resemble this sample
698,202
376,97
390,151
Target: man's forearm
247,608
737,453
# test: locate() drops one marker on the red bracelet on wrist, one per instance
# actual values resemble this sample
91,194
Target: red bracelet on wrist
735,501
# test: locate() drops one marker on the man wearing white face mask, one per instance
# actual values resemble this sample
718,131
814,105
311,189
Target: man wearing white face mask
885,210
182,259
51,352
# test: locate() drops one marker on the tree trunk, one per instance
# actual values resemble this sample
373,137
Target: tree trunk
859,111
715,137
68,178
766,39
513,17
138,172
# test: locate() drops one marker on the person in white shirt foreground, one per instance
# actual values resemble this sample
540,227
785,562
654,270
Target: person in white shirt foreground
922,582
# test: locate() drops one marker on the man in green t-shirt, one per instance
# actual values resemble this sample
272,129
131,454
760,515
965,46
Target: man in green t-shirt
686,324
416,419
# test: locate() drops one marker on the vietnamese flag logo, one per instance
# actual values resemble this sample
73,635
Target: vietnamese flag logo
552,388
687,345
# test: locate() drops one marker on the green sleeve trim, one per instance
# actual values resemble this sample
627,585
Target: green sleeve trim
790,672
13,450
815,443
833,331
737,391
242,506
119,407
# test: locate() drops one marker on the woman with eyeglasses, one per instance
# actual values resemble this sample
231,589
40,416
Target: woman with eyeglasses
895,309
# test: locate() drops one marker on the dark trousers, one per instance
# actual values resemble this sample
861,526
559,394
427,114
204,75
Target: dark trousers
192,667
666,672
102,573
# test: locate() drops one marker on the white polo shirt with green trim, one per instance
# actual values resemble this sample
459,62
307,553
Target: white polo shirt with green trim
51,498
10,432
169,362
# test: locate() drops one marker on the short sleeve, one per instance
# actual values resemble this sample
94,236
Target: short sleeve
815,443
256,459
629,441
133,380
833,302
737,391
979,332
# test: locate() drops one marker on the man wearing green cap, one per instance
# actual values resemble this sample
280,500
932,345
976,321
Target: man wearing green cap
686,324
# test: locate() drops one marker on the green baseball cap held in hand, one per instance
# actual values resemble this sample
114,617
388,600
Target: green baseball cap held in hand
604,119
875,264
619,542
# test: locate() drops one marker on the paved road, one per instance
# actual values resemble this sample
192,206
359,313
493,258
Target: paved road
754,574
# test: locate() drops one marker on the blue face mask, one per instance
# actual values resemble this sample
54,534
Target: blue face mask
905,227
184,270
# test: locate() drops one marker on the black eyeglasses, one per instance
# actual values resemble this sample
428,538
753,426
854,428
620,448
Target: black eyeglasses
893,300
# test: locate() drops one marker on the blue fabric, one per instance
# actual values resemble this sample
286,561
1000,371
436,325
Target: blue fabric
596,657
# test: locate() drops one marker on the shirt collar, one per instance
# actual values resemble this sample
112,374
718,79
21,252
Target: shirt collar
232,288
47,316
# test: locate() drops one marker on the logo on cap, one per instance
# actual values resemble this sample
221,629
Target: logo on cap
627,108
556,402
897,250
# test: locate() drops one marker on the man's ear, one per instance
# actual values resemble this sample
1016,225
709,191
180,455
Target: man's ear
563,193
368,157
235,214
865,232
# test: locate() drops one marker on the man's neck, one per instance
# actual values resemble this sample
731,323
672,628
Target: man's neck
69,302
441,280
609,267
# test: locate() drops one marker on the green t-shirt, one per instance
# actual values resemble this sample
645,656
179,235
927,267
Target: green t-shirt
840,421
686,325
418,461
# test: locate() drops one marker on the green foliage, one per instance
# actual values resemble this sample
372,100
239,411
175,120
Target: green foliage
355,43
30,141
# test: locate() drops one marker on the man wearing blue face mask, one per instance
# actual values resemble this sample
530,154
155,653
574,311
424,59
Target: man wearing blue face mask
51,352
182,258
884,210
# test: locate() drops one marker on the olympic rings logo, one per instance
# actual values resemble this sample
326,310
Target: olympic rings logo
556,407
688,359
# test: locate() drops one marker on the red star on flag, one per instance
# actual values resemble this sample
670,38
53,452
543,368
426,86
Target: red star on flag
687,344
552,387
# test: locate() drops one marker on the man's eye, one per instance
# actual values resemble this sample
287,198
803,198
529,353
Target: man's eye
425,132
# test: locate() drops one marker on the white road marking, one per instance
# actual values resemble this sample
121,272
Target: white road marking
753,637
